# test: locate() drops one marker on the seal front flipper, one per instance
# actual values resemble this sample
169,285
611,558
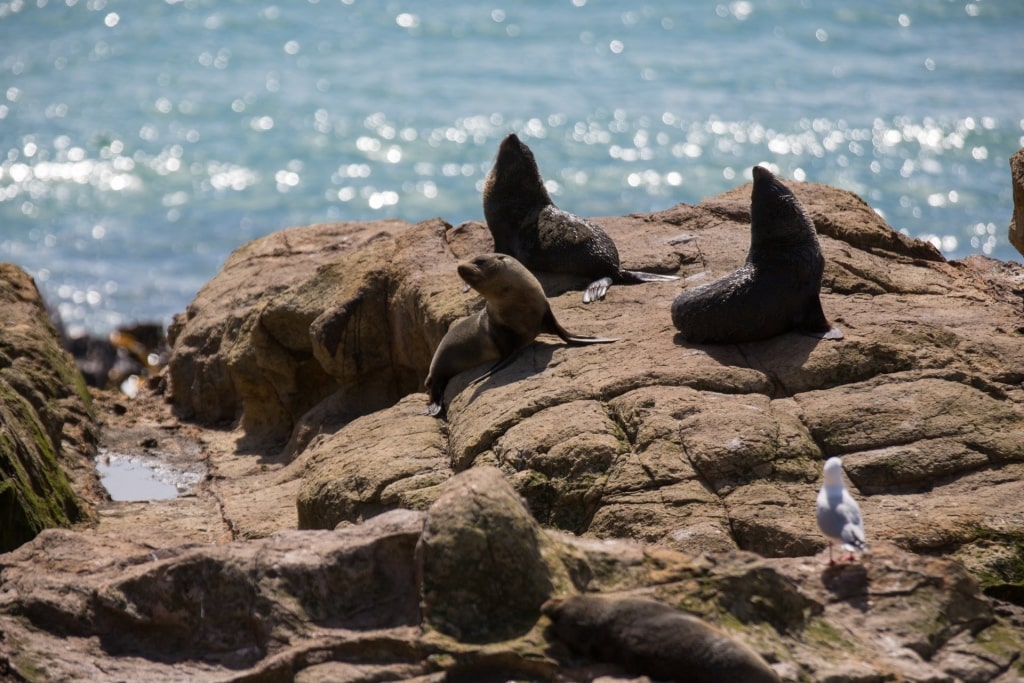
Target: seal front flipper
550,325
436,408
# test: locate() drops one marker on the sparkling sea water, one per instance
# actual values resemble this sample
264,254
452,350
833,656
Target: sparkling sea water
141,142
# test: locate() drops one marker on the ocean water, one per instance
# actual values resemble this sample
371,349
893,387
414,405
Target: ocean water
141,142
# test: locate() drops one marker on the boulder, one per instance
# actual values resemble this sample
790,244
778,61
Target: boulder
482,560
48,432
347,312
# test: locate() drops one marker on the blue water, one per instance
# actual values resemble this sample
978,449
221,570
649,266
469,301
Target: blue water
141,142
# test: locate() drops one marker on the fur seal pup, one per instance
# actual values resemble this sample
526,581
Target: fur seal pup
648,637
526,224
775,291
515,313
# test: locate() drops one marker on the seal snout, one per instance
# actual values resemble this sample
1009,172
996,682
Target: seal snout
510,143
470,273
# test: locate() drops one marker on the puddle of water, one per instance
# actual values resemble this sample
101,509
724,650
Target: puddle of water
136,478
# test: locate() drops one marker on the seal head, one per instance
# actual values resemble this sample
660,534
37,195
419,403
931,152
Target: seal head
778,287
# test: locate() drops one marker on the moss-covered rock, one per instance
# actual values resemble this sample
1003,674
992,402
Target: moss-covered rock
47,429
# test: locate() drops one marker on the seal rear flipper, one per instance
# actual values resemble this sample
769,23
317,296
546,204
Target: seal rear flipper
831,334
596,290
814,323
635,277
550,325
503,363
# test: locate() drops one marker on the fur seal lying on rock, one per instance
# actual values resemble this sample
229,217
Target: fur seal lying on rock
775,291
526,224
647,637
516,312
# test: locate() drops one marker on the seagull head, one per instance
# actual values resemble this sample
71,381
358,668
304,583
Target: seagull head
833,472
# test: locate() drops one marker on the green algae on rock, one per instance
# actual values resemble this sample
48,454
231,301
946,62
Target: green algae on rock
46,415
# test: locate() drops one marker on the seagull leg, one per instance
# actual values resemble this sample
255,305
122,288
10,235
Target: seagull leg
831,561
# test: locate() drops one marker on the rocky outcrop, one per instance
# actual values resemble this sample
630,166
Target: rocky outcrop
426,548
1016,232
349,313
688,446
454,594
47,429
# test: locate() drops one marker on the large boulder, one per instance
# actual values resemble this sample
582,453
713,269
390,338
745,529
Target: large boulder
346,312
47,427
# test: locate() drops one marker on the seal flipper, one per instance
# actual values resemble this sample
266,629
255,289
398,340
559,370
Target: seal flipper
814,323
550,325
435,409
596,290
633,277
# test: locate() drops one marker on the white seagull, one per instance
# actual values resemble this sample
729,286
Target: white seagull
838,513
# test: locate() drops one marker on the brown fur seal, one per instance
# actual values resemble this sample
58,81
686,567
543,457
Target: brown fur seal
775,291
648,637
515,313
526,224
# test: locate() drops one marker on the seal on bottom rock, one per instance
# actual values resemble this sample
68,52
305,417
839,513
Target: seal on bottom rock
775,291
650,638
515,313
526,224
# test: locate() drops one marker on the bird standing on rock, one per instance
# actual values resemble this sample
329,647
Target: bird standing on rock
838,513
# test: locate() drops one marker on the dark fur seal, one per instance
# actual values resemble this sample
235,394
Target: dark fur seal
776,290
515,313
650,638
526,224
